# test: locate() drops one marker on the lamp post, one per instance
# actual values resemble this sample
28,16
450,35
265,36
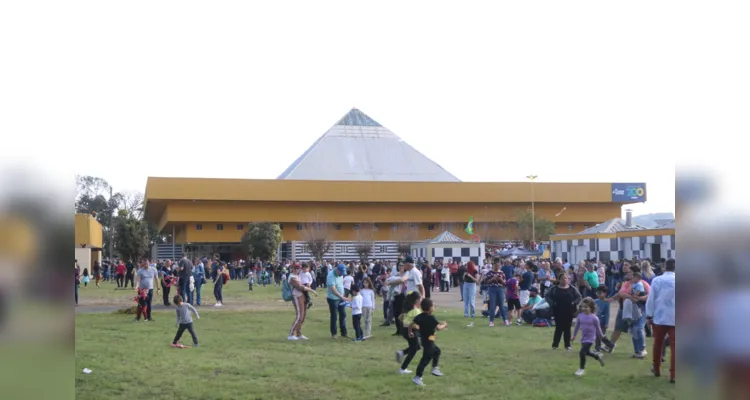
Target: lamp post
111,229
533,215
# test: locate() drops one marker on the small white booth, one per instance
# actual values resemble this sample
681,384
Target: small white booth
449,247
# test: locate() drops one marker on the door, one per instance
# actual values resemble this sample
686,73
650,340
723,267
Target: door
656,252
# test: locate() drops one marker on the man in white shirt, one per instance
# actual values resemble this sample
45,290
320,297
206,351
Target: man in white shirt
412,277
660,314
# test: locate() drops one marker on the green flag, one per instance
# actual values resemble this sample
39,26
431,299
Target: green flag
470,226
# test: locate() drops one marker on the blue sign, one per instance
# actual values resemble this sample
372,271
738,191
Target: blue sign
628,192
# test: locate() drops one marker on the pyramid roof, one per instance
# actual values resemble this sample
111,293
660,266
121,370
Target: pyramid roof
358,148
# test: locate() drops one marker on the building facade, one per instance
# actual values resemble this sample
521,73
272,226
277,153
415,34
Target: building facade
616,240
380,189
88,237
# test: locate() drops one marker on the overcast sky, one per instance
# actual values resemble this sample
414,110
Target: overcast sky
571,91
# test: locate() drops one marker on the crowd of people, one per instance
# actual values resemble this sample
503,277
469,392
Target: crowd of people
540,293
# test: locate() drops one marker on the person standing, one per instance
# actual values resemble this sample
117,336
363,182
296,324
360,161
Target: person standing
199,275
660,314
524,285
97,270
427,276
166,278
219,283
563,299
129,274
494,279
185,268
469,289
298,301
145,279
120,274
460,277
78,278
336,300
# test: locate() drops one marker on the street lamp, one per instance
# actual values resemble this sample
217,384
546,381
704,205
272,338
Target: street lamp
533,215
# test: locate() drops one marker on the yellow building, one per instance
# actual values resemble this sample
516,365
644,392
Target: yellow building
88,237
349,187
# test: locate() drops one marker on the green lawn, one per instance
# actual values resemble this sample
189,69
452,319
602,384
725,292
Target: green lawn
244,354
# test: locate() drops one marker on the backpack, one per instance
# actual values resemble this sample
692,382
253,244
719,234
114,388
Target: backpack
286,290
225,278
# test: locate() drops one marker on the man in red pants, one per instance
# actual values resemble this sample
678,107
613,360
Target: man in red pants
660,314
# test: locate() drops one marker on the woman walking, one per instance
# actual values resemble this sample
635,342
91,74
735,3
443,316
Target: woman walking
219,284
469,289
97,270
298,300
563,299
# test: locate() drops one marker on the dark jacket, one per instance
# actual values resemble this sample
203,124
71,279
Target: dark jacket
550,297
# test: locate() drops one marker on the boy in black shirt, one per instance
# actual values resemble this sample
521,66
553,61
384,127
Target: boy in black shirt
427,324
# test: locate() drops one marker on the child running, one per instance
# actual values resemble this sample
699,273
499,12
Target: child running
412,304
427,325
590,328
357,313
184,321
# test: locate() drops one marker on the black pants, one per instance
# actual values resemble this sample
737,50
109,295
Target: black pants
218,286
412,350
398,305
386,306
181,329
586,351
430,353
165,294
563,322
603,339
147,301
129,278
357,323
426,290
120,279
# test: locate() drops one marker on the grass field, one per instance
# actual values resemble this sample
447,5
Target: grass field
244,354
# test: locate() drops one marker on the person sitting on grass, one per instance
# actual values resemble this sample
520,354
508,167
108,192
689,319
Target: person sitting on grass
184,321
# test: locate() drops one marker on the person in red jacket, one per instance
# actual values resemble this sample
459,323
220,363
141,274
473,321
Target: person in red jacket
120,274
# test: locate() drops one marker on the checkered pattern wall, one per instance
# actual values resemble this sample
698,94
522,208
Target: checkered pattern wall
575,250
458,254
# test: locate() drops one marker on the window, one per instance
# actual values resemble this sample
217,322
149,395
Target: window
337,227
198,227
281,227
316,226
219,227
240,227
430,227
414,227
299,227
356,227
375,227
394,227
570,227
585,227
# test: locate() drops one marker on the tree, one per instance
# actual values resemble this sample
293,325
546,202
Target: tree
365,242
542,227
317,237
131,236
404,234
261,240
94,196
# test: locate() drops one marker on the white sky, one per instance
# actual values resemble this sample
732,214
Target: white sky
571,91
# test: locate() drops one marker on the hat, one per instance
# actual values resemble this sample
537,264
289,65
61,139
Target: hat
341,268
408,260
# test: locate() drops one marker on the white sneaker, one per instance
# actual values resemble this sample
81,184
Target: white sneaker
436,372
580,372
217,305
292,338
302,337
417,381
404,371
